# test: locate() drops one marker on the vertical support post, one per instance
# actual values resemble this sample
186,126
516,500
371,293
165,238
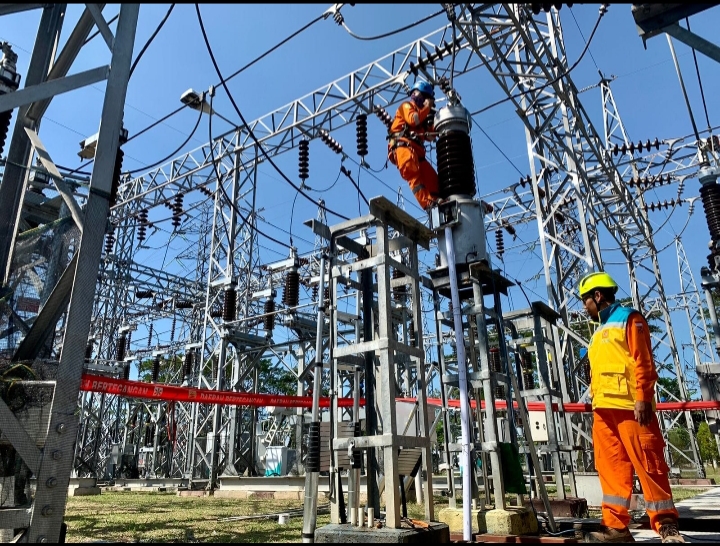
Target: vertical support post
51,496
386,401
490,424
463,382
422,420
312,470
443,400
373,491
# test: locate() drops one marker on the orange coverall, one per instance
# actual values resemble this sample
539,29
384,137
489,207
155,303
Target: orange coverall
408,154
623,371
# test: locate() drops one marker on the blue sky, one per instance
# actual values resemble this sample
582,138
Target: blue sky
646,90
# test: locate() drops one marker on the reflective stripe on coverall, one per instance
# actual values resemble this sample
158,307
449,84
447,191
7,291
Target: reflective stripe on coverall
410,155
622,371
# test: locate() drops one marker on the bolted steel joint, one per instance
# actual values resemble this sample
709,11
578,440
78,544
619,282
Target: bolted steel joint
47,510
57,455
51,482
61,428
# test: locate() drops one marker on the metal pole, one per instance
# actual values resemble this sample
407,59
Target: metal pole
462,379
312,473
443,400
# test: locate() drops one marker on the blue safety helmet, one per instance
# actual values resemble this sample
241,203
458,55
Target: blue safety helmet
424,87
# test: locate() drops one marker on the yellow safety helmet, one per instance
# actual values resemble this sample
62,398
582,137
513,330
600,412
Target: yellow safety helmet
593,281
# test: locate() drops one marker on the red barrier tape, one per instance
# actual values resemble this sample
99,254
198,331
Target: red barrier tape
138,389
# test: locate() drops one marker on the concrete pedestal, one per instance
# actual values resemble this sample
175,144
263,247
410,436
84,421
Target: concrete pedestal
511,521
453,517
437,533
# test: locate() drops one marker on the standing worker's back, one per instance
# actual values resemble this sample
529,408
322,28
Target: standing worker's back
626,434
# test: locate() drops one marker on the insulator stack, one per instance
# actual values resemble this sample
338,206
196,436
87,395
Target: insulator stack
188,364
312,462
509,228
109,242
304,159
545,6
116,176
326,296
710,194
432,58
526,361
499,242
411,333
291,290
173,325
149,435
380,112
495,361
444,84
229,305
9,82
529,380
120,347
177,208
183,304
357,453
126,371
214,367
456,171
315,292
500,391
142,294
330,142
361,134
487,206
142,225
646,183
216,313
5,118
128,340
206,192
155,369
399,291
617,149
663,205
559,217
269,318
89,349
150,335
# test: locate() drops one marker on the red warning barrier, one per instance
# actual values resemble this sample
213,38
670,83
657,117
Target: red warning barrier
151,391
138,389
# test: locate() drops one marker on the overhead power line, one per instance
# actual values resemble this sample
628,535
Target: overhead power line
340,21
150,40
242,118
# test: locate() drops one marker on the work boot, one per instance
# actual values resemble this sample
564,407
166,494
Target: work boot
669,531
608,534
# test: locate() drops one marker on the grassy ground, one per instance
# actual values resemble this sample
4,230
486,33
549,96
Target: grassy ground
165,517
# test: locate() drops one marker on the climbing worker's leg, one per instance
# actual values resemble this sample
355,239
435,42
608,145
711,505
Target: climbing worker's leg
429,178
409,167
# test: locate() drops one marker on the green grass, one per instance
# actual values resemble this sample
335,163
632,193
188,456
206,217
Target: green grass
165,517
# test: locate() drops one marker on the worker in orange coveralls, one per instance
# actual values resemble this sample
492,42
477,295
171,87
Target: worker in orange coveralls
410,129
626,434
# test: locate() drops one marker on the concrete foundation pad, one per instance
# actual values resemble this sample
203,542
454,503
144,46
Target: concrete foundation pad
437,533
191,493
454,517
511,521
85,491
